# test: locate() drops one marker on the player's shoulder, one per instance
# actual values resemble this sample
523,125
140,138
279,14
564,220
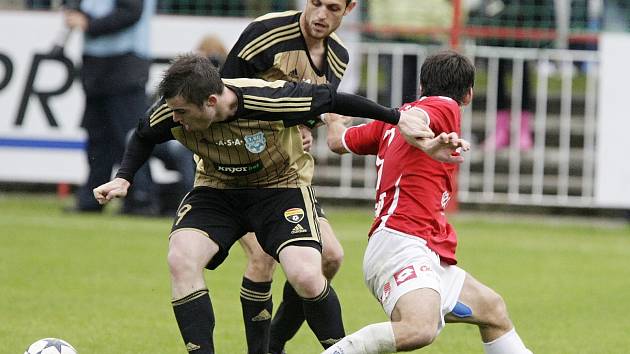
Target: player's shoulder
434,102
275,20
253,83
159,112
267,30
338,48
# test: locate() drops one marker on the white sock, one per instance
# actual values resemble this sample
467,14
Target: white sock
509,343
376,338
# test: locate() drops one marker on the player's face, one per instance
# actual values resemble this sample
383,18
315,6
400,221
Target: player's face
324,16
189,115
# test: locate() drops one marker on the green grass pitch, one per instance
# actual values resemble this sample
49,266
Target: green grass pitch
101,282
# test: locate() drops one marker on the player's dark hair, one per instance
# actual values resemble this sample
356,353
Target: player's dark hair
191,76
447,73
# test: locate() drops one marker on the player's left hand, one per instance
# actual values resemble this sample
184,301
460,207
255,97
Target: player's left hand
307,138
445,147
413,128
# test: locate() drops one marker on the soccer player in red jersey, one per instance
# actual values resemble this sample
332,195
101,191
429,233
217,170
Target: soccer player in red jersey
410,264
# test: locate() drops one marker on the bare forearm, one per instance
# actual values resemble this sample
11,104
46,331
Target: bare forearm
334,135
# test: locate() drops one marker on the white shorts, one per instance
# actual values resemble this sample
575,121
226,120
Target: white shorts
396,263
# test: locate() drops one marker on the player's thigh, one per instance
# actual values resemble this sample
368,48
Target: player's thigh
420,309
191,246
260,265
302,268
250,246
212,213
331,247
477,304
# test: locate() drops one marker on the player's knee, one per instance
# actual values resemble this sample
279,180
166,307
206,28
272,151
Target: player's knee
495,309
331,261
180,263
308,282
260,267
415,336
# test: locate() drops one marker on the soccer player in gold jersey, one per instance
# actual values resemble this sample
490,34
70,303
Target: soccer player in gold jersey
295,46
247,180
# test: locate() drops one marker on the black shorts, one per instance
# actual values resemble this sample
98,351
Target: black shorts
278,216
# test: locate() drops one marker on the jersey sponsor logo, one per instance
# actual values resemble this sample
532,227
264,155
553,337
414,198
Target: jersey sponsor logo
228,142
255,143
294,215
405,274
298,229
239,170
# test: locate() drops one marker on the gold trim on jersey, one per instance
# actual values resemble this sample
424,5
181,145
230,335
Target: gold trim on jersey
282,33
276,15
336,38
338,67
254,83
162,113
288,104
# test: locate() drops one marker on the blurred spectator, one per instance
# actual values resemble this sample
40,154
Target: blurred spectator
176,156
212,47
114,74
513,14
38,4
427,14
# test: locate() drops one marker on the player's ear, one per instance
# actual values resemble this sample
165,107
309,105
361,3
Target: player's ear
211,101
349,7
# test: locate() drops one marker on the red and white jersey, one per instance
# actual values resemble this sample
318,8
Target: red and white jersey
412,189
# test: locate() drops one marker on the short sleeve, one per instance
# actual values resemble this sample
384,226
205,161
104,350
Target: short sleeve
364,139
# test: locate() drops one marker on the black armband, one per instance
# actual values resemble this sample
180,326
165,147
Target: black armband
357,106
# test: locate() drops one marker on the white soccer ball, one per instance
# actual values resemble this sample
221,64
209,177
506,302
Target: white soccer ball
50,346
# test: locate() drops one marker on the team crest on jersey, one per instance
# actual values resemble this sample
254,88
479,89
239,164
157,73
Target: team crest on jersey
255,143
294,215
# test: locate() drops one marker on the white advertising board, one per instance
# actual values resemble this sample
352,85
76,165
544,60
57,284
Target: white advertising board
612,174
40,135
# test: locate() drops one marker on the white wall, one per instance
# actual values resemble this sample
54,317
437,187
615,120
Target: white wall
612,188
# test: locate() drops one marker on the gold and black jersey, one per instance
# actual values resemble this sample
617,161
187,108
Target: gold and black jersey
272,47
254,150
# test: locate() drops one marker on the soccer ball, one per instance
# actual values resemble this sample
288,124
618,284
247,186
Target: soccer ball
50,346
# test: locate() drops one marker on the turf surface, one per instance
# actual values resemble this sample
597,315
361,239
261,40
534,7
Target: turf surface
101,281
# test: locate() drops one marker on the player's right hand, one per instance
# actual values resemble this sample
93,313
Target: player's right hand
445,147
116,188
